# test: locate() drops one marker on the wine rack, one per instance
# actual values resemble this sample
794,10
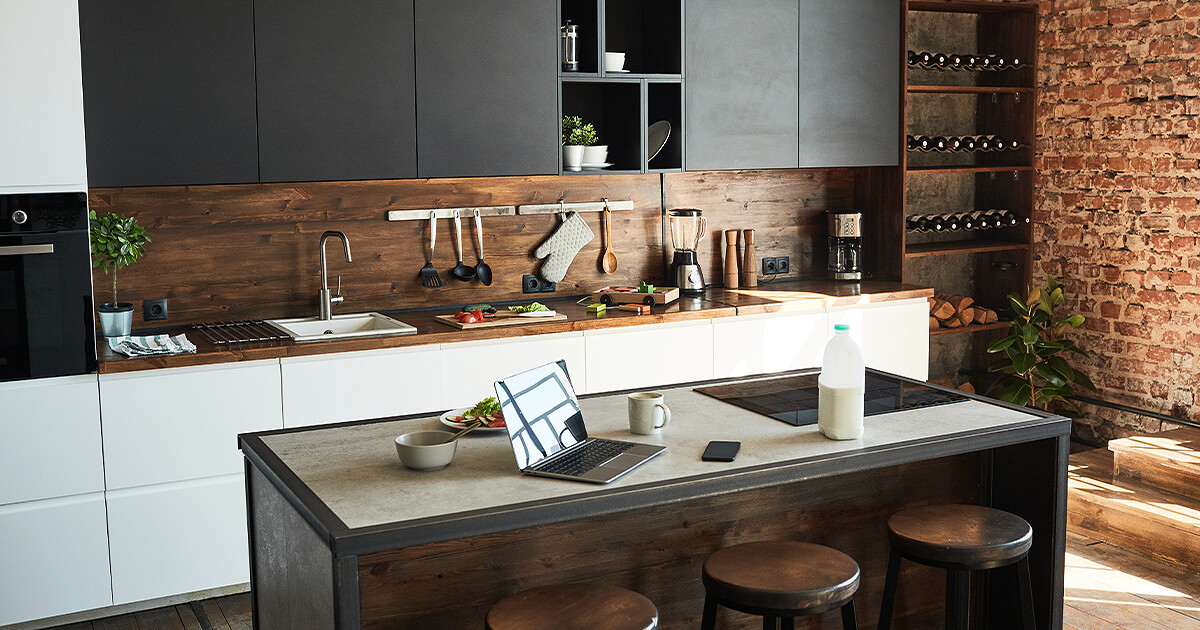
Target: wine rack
967,144
963,221
967,62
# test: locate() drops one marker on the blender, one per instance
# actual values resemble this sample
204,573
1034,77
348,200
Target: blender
687,230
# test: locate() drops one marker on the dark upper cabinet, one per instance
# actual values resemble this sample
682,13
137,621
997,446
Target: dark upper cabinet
487,87
740,84
335,89
168,88
849,82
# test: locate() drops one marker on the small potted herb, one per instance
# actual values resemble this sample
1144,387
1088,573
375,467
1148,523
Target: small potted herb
576,135
117,241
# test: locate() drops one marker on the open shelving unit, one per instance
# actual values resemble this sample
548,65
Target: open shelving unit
940,101
623,105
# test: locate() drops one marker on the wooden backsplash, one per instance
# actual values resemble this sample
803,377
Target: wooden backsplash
252,251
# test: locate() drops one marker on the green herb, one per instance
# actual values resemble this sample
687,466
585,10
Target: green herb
117,241
532,308
1035,374
486,407
471,308
575,131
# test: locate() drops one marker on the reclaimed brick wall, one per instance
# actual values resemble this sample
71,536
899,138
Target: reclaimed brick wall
1116,215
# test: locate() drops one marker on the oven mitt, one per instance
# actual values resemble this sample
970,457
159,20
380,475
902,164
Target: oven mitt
560,249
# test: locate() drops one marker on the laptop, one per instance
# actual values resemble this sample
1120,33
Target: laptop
545,427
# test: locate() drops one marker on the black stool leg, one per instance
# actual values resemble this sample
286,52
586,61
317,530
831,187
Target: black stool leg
849,619
770,623
1026,587
709,621
889,592
787,623
958,598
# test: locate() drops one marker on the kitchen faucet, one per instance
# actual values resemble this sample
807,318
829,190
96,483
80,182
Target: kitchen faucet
327,301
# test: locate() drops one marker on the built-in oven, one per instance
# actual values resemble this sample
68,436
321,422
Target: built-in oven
46,322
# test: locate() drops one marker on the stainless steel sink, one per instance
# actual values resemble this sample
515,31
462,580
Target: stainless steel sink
349,326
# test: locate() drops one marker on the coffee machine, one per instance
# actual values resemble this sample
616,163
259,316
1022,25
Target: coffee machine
687,230
845,245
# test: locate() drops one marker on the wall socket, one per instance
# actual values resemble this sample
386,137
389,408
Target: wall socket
536,284
776,266
154,310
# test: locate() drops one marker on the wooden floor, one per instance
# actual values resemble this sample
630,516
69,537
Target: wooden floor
1107,589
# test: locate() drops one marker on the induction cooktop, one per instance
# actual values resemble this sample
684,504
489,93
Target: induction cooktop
793,399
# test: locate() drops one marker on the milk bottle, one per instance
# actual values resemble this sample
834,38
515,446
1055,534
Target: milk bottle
840,387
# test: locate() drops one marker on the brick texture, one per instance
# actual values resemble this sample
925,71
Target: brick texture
1116,214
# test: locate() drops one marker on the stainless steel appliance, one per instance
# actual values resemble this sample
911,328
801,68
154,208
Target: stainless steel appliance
687,230
47,326
845,245
570,47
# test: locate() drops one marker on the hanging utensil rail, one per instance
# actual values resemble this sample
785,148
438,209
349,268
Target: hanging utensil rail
448,213
584,206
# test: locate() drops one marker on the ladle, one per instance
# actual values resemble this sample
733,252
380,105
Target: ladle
482,270
608,262
460,271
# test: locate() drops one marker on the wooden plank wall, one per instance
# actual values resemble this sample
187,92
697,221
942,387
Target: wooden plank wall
230,252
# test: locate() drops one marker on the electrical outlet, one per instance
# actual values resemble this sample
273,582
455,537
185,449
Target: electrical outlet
776,265
546,286
768,267
531,284
783,264
154,310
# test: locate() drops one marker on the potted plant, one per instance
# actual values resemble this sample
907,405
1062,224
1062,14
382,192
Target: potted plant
1035,374
117,241
576,135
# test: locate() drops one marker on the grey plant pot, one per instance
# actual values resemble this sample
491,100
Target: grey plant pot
116,320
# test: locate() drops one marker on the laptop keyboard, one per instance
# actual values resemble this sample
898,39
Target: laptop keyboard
581,460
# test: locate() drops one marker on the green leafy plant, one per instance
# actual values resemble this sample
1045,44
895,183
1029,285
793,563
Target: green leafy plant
575,131
1035,374
117,241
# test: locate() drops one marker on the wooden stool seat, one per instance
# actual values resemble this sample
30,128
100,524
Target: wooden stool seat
960,539
781,580
960,536
573,607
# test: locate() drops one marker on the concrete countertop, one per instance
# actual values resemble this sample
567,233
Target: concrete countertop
795,296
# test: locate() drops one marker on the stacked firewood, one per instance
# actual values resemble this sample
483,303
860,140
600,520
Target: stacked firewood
953,311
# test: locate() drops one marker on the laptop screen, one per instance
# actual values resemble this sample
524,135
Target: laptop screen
541,413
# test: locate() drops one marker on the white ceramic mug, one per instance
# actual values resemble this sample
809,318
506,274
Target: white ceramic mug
614,61
644,413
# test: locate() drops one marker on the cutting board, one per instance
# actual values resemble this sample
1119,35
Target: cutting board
496,322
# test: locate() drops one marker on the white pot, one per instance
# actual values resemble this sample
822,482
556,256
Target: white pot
595,154
573,157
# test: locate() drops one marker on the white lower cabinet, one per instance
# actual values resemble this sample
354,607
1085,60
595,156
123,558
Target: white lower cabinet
182,423
50,438
648,355
761,344
361,385
53,558
894,336
177,538
470,368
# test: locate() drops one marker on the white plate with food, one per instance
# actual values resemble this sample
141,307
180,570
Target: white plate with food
487,412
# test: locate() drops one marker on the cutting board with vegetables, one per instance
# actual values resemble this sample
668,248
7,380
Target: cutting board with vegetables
501,318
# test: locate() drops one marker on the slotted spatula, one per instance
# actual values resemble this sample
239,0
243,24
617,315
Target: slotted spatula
429,275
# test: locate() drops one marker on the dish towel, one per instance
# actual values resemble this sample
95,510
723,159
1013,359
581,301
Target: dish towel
154,345
560,249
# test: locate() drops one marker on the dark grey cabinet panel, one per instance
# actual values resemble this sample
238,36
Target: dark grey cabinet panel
487,87
849,82
335,89
740,84
168,88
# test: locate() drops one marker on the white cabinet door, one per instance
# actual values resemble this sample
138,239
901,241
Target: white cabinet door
41,113
649,355
182,423
177,538
472,367
361,385
55,558
894,336
761,344
50,438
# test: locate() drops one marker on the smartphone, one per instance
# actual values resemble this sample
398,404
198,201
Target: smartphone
718,451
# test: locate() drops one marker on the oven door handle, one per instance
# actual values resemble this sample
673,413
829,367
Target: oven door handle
22,250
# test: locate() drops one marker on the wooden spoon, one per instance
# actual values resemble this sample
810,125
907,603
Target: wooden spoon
608,261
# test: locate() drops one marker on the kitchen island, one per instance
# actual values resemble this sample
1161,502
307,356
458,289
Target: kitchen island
343,536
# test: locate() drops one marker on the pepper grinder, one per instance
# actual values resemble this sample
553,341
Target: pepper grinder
749,268
731,259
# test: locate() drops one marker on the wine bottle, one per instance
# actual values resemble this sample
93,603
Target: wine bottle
913,58
953,143
919,143
987,62
1014,63
923,58
939,60
934,223
966,221
938,143
1013,145
993,218
1009,218
998,143
970,62
956,61
913,224
950,221
969,143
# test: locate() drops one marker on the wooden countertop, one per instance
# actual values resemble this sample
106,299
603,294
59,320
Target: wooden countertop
716,302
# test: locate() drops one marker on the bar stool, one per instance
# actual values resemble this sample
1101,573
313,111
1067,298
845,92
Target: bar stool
960,539
573,607
780,581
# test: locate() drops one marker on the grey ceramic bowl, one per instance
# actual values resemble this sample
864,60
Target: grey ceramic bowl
426,450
